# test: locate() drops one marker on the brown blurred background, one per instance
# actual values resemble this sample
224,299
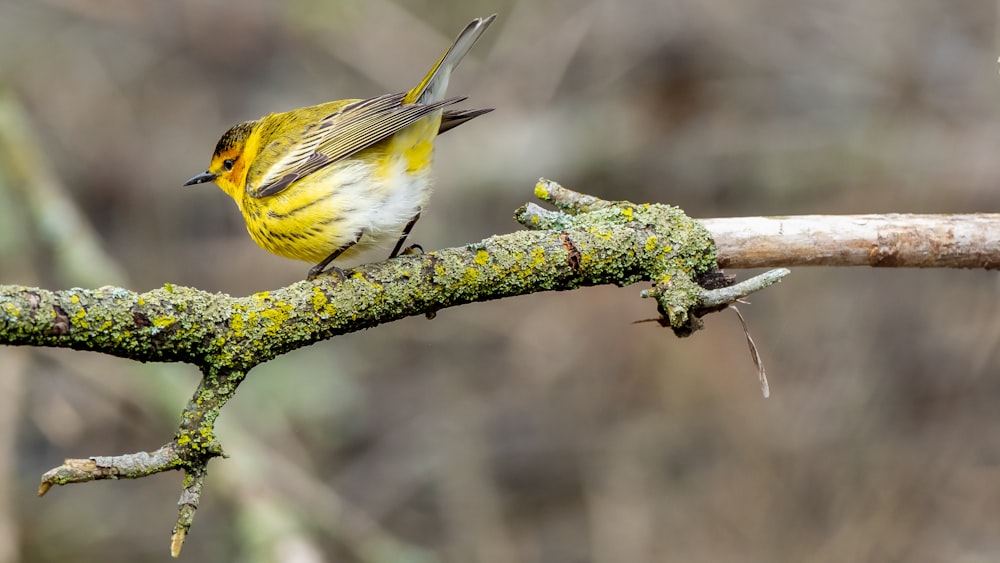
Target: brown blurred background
547,428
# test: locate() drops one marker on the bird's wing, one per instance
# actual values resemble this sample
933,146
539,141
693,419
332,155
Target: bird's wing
354,127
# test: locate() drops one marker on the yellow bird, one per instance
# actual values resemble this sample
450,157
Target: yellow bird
329,181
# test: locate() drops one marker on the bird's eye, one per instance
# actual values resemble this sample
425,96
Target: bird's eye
228,164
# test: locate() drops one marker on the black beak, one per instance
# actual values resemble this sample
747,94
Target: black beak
201,179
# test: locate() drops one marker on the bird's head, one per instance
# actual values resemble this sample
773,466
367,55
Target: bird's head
228,168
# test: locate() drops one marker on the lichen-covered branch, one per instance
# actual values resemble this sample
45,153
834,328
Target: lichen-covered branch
586,241
618,244
589,242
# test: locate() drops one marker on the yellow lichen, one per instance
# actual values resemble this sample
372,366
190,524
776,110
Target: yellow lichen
471,275
237,324
482,257
542,191
600,233
321,304
276,317
537,257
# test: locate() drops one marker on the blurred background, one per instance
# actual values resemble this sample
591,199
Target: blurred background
547,428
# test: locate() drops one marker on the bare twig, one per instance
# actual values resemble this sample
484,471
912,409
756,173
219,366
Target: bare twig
726,295
890,241
127,466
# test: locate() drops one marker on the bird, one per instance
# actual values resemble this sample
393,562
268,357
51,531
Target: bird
333,180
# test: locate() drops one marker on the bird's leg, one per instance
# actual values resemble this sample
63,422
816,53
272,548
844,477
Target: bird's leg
318,269
402,237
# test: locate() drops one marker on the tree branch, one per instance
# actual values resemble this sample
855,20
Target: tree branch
587,241
892,241
223,335
592,242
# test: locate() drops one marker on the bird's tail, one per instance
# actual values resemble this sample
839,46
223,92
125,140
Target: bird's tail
433,86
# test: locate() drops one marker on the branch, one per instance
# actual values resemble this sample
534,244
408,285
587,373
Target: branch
586,241
591,242
620,244
892,241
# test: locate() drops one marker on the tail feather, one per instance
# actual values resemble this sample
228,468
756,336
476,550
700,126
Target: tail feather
452,118
432,88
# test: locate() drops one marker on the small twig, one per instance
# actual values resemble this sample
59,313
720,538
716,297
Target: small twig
188,503
536,217
567,199
126,466
711,298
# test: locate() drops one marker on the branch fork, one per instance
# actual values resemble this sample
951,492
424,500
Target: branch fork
585,241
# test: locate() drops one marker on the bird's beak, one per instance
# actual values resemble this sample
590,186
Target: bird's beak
201,179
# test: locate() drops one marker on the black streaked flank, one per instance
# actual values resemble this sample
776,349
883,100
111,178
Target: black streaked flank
274,215
331,220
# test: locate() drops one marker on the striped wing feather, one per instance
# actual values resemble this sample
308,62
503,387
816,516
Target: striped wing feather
353,128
